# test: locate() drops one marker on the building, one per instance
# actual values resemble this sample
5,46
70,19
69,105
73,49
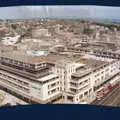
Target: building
81,80
28,77
49,78
39,32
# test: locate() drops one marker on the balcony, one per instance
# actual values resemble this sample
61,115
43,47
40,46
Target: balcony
24,66
76,76
77,90
15,81
24,73
13,88
15,85
54,86
79,86
18,93
78,81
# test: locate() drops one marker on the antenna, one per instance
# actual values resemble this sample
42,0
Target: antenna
47,11
35,12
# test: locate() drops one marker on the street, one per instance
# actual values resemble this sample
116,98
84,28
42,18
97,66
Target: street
111,99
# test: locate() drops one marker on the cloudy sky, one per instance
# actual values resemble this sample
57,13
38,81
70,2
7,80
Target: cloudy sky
60,11
105,12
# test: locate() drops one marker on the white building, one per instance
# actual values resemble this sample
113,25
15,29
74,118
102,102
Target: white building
29,77
45,79
40,32
10,40
79,80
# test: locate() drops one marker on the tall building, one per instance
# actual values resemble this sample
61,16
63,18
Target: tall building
49,79
28,77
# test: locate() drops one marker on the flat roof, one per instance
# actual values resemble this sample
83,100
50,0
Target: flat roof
81,73
77,65
24,57
52,58
93,63
88,66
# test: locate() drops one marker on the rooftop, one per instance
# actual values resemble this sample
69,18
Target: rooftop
82,72
93,63
78,61
88,66
24,57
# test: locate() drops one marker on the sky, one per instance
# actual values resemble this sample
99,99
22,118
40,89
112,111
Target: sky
105,12
59,11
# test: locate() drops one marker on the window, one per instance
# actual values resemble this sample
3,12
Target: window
48,86
86,81
70,98
102,72
102,77
86,93
52,85
49,93
90,90
81,96
53,91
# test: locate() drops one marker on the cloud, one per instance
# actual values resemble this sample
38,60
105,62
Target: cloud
105,12
59,11
43,11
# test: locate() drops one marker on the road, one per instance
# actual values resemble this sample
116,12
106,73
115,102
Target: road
111,99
